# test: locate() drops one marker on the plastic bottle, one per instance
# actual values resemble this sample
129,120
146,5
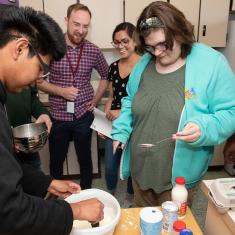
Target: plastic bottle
186,232
179,195
178,226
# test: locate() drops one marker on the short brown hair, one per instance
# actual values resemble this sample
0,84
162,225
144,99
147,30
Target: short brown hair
77,7
175,25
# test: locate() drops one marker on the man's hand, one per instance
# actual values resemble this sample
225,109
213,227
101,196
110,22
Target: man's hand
90,106
190,133
44,118
63,188
69,93
91,210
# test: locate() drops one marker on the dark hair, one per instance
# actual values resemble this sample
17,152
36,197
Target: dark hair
43,33
175,25
130,29
77,7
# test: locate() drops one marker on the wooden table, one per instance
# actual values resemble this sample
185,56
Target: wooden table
129,222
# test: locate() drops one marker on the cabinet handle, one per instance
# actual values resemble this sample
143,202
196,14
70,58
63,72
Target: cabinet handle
204,30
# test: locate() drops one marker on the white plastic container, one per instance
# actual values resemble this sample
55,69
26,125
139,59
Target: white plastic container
112,213
179,195
150,221
223,191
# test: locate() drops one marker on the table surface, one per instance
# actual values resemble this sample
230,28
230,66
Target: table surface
129,222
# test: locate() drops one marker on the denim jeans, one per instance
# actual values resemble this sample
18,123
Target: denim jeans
112,163
62,133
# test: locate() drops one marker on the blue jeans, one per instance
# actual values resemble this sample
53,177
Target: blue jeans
62,133
112,167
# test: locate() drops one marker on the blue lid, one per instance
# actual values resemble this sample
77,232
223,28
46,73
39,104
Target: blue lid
186,232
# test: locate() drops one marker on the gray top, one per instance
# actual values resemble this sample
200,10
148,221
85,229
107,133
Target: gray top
156,109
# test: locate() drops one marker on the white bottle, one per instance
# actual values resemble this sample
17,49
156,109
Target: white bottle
179,195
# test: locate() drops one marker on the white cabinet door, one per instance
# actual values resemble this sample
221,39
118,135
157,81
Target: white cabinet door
106,14
58,10
133,9
214,22
233,6
191,9
35,4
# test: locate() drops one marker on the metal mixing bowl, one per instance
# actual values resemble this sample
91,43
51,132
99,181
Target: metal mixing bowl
30,137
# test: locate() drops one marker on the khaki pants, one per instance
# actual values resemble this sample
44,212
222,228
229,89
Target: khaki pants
143,198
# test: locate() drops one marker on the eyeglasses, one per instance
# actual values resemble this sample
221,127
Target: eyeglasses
45,67
161,46
124,42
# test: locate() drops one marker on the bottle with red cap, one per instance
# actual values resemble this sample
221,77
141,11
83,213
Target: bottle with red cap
179,195
178,226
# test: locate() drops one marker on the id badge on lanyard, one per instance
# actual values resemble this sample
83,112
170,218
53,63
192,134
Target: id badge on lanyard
71,104
70,107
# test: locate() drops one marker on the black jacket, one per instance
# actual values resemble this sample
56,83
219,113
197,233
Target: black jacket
22,210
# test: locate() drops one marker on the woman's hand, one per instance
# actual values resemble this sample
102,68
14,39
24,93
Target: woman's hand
112,114
190,133
104,137
63,188
117,144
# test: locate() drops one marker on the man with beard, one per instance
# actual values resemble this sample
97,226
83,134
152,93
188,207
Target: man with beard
72,98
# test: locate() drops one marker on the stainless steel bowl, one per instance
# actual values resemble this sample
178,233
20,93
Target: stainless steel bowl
30,137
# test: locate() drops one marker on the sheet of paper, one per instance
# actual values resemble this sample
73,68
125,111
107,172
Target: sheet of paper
101,123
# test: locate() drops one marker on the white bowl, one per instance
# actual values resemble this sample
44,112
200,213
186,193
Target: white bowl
112,213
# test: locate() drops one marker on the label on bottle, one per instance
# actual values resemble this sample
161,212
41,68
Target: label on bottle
182,209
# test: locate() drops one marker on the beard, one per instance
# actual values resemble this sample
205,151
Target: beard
75,38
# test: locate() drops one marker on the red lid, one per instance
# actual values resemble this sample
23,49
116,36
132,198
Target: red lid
179,225
180,180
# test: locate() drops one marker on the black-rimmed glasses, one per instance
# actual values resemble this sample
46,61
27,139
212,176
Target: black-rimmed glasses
161,46
45,67
124,42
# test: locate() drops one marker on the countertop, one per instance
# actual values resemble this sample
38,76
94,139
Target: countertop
129,222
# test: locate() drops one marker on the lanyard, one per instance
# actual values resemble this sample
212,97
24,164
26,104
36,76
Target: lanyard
70,64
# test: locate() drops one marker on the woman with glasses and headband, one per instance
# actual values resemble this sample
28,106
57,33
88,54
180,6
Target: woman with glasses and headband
180,103
124,41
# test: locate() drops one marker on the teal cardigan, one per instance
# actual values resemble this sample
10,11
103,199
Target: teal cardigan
209,102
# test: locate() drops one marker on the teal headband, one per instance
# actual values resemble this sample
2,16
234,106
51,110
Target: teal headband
152,22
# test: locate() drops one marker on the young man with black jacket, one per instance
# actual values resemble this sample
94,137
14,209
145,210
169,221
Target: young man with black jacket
29,40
